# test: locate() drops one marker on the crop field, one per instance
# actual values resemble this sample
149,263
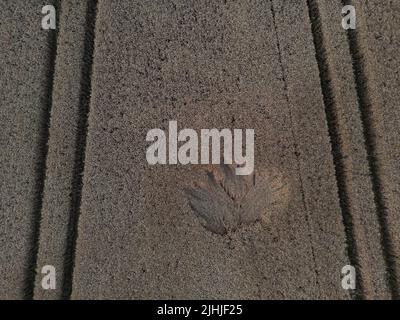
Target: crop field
109,180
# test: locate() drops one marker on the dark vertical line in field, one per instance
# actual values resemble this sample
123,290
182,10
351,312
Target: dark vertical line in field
29,277
79,159
337,154
364,102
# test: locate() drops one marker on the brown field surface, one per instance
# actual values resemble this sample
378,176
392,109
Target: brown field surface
76,190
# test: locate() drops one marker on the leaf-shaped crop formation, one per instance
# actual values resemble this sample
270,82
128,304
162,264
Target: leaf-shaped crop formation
225,201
